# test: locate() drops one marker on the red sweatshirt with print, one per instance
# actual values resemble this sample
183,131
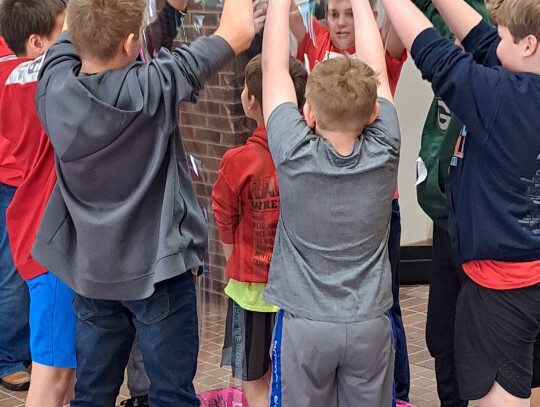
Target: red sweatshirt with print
245,200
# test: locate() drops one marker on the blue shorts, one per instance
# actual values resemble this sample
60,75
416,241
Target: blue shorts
52,322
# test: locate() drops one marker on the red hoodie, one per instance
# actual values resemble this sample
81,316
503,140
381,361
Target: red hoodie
245,200
34,155
10,174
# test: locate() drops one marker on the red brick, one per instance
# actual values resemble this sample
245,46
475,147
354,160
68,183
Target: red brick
193,119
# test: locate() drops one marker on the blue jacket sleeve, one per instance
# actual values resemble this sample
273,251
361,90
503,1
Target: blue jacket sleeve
472,91
482,43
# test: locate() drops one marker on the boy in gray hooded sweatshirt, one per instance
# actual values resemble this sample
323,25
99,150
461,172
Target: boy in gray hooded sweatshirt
122,227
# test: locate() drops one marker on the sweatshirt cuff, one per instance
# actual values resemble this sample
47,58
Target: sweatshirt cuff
216,46
480,31
424,39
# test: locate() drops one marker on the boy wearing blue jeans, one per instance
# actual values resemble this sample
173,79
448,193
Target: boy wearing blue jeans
492,187
337,171
123,227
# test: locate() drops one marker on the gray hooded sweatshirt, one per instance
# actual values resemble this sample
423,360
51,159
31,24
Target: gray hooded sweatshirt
123,215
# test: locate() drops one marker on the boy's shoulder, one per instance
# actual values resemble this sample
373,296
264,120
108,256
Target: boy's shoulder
25,72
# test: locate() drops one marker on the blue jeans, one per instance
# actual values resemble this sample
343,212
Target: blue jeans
14,301
402,377
167,331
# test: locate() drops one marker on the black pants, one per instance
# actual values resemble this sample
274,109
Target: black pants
445,281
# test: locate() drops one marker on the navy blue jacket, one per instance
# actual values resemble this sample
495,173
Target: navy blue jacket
493,189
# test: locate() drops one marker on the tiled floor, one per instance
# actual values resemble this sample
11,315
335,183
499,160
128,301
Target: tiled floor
211,376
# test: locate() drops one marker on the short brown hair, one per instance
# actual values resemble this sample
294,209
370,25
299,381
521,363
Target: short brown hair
96,27
342,92
521,17
297,71
19,19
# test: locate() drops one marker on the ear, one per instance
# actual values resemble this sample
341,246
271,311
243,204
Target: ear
530,43
35,46
128,46
375,113
253,104
309,115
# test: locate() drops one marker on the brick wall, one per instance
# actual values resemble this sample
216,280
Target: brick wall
209,128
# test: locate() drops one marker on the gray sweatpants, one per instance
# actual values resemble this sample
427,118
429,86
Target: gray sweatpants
331,364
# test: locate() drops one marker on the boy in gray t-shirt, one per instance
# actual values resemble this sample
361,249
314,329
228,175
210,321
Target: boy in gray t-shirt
330,272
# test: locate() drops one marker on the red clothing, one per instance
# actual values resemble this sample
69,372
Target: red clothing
324,49
245,200
10,174
500,275
34,155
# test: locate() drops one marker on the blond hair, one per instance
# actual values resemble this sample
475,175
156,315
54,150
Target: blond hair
521,17
492,7
96,27
342,93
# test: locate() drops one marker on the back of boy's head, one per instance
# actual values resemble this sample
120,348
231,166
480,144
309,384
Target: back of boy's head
96,27
19,19
297,71
521,17
342,93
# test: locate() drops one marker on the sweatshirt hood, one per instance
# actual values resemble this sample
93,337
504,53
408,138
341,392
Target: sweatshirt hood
104,97
259,136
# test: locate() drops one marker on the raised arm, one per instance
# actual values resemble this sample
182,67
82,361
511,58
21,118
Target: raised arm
392,42
406,19
460,17
296,23
278,86
236,26
369,48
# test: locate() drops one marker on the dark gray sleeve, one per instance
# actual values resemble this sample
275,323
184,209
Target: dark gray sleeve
58,61
179,75
286,129
385,128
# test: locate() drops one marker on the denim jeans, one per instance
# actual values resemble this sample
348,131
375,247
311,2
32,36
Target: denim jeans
167,331
14,301
402,377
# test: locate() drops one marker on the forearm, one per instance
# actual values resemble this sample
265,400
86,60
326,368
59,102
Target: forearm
296,23
277,83
227,250
236,26
369,47
407,20
391,40
460,17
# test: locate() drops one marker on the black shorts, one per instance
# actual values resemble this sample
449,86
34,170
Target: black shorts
497,339
248,338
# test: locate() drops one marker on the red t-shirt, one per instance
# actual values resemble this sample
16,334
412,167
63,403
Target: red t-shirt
10,174
500,275
324,49
34,155
245,200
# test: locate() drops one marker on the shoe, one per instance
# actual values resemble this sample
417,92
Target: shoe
18,381
141,401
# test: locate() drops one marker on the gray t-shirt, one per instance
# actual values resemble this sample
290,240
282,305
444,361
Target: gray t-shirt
330,259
